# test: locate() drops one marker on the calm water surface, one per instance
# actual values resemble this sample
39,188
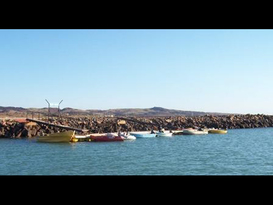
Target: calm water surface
240,152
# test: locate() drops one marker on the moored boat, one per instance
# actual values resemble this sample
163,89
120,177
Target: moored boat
194,132
164,133
178,132
109,137
83,138
67,136
125,136
217,131
143,134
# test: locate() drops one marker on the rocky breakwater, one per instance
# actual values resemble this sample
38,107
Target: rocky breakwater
224,122
15,129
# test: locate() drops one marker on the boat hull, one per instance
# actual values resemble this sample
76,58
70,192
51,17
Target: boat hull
164,134
128,137
57,137
142,134
105,138
217,131
194,132
178,133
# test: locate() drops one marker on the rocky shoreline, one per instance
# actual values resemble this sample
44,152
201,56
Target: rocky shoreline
17,129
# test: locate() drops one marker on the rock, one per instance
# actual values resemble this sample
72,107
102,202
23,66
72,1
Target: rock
101,124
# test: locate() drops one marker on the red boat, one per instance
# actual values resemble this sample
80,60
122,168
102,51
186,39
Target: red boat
105,138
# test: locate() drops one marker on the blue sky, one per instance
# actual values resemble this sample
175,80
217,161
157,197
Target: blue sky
199,70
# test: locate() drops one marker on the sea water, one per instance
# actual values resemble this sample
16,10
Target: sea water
239,152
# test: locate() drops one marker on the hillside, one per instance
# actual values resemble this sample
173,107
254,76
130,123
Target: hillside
146,112
138,112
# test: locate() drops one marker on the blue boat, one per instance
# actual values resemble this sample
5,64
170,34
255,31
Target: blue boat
143,134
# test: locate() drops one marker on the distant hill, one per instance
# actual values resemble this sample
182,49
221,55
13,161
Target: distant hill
138,112
8,109
155,111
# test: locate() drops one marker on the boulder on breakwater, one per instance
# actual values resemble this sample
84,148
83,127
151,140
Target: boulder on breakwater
15,129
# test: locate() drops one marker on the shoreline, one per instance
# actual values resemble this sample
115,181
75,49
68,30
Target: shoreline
20,128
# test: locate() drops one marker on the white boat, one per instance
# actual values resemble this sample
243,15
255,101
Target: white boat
143,134
127,136
81,136
177,132
194,132
164,134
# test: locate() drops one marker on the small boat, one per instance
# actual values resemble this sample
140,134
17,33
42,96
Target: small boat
194,132
144,134
178,132
109,137
83,138
216,131
68,136
125,136
164,133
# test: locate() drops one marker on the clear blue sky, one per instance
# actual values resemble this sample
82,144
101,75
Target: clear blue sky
199,70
